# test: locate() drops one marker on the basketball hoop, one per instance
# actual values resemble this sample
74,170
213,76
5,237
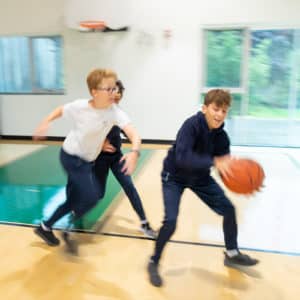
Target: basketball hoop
92,25
99,26
95,15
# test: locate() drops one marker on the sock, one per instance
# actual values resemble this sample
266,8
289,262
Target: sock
232,252
151,260
45,227
144,222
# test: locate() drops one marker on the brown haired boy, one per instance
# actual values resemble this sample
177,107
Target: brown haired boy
201,143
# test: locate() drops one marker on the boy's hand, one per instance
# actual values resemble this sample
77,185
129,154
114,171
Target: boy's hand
222,164
41,131
117,98
108,147
130,160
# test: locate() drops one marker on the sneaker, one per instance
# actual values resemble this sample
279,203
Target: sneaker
154,276
148,231
71,244
239,259
47,235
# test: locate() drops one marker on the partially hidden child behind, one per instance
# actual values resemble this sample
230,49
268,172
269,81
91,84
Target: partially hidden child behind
109,159
92,120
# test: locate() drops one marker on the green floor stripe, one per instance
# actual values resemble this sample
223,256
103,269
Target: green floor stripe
33,186
38,168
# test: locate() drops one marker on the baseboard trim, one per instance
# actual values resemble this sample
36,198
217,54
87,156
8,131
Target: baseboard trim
61,138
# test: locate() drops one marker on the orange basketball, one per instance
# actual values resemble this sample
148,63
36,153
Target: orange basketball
247,176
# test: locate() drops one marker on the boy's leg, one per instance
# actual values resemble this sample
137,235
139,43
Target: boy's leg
102,165
213,195
45,229
83,189
172,192
88,193
133,196
63,209
71,244
129,188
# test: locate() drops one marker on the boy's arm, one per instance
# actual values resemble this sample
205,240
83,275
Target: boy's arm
130,159
186,157
112,142
133,137
108,147
42,129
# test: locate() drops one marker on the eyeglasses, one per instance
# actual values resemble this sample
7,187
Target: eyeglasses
109,90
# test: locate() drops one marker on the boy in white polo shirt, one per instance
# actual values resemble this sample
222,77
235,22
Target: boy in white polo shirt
92,120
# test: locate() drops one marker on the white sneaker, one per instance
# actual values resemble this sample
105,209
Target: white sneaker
148,231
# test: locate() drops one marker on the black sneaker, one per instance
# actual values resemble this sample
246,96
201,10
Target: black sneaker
154,276
239,259
148,231
71,244
47,235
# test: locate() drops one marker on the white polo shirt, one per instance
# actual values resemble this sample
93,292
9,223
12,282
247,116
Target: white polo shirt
90,127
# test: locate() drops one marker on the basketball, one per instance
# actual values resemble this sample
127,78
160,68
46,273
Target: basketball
247,176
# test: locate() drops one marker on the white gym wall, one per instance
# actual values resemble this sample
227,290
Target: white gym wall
162,76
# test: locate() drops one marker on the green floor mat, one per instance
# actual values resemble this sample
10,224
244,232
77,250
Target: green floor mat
32,187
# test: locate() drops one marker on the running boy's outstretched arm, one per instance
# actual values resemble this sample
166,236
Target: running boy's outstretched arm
130,159
42,129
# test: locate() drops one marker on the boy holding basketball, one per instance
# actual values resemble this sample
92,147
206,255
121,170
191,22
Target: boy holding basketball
200,143
92,120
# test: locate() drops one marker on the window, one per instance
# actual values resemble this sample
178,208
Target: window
261,69
274,89
31,65
223,58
